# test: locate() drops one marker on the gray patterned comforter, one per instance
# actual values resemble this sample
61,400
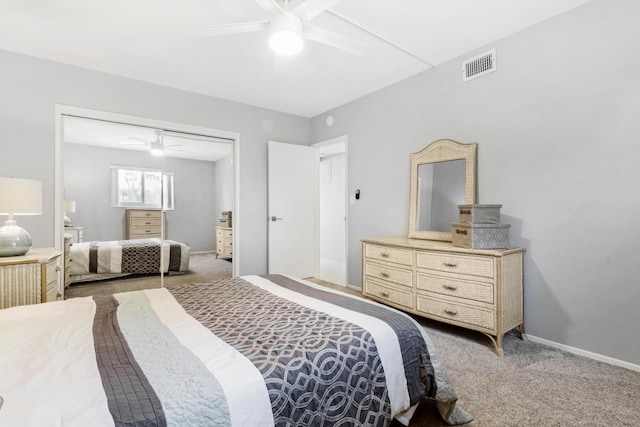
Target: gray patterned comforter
137,256
251,351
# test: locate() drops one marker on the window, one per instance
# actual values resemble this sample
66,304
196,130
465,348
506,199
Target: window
146,188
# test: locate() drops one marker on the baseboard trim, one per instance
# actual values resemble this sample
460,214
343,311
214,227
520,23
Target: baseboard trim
354,287
585,353
202,252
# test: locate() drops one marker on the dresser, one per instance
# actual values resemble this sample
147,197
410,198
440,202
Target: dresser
472,288
146,223
224,242
30,279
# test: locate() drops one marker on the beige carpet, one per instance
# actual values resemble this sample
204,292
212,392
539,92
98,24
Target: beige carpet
531,385
202,268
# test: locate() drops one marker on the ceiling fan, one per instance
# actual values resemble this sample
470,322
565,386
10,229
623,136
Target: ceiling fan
289,28
156,147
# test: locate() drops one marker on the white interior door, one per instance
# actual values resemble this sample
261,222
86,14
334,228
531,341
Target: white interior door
292,209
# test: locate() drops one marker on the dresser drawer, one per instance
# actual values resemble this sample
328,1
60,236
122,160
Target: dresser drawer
380,290
394,255
475,291
52,272
144,233
145,223
472,265
150,214
390,274
457,311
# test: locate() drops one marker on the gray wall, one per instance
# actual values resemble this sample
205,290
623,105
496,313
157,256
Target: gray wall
223,177
198,188
31,87
558,128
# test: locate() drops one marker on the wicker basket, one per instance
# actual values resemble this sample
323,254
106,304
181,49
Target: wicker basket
479,214
480,236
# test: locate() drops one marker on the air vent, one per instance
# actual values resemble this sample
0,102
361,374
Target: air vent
479,65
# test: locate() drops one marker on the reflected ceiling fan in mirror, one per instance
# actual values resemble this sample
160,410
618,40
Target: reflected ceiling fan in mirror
156,147
289,28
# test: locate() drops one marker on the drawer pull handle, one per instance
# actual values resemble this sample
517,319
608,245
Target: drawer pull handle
458,231
384,254
384,294
450,287
148,222
450,312
450,264
385,275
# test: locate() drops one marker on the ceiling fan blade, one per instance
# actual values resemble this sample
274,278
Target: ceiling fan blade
269,5
332,39
226,29
312,8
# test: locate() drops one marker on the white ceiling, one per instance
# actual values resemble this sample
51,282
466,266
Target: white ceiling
112,135
151,40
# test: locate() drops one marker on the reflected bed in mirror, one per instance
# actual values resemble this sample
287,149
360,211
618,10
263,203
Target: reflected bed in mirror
443,176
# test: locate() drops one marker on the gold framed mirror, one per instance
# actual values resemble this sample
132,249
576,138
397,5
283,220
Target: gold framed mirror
443,176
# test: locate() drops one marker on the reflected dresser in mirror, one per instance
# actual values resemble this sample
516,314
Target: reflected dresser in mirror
424,274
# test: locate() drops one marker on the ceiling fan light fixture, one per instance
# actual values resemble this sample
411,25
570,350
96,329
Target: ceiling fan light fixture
286,34
156,149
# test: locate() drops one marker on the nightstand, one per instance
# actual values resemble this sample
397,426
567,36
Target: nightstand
30,279
77,234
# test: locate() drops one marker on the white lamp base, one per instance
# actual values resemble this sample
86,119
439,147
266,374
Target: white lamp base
14,240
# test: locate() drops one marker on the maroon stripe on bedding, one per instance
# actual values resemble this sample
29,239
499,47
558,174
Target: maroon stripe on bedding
175,255
131,399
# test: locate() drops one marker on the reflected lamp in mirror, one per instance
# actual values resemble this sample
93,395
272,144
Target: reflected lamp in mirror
69,207
443,176
18,197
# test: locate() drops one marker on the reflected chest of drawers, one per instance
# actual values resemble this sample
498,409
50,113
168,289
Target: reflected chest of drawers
475,289
224,242
30,279
146,223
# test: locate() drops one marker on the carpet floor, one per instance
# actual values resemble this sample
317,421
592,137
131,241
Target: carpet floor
531,385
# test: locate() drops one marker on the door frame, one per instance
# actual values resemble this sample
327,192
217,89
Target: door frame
318,146
62,110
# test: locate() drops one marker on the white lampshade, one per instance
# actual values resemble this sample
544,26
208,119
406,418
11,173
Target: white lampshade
20,196
70,206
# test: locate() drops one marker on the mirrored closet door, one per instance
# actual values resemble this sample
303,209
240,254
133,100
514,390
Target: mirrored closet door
141,201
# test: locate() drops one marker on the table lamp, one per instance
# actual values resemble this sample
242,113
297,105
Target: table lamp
18,197
69,207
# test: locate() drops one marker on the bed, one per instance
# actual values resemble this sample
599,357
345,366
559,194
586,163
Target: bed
247,351
109,259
